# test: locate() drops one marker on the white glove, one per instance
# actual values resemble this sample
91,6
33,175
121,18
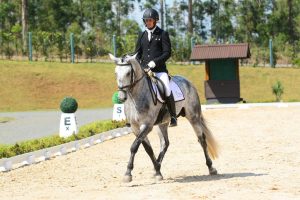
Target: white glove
151,64
149,72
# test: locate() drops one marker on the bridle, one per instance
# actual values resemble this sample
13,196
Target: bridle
133,81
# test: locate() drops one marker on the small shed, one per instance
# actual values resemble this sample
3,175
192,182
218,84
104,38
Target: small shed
222,82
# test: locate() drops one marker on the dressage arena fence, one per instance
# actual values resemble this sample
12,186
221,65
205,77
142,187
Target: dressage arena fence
65,47
7,164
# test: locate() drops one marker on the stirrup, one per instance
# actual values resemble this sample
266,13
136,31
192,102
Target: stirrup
173,122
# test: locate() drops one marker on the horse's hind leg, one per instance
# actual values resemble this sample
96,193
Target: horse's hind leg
202,141
164,144
150,152
196,124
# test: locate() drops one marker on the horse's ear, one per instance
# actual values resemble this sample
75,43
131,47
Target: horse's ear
112,57
132,57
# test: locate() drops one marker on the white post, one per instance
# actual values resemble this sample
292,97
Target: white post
8,165
118,112
68,125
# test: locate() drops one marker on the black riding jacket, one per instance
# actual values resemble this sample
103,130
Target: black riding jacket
158,49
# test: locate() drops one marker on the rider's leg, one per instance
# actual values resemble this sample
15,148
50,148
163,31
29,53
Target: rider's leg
169,97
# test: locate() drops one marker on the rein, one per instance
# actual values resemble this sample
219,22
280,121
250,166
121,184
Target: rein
153,94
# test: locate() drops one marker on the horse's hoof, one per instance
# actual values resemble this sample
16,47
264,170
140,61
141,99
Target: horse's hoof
154,174
213,171
159,178
127,179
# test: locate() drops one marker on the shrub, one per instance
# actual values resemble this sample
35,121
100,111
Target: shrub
277,90
68,105
6,151
115,98
296,62
88,130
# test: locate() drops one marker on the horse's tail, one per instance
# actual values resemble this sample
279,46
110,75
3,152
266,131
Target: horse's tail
212,144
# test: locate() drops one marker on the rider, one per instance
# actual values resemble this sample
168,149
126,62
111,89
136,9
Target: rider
153,50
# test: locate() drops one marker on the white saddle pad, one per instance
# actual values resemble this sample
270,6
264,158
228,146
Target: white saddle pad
177,93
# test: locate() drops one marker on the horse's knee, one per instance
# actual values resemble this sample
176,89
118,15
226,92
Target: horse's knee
135,146
133,149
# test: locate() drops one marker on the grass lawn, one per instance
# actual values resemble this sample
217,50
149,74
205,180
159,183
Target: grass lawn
42,85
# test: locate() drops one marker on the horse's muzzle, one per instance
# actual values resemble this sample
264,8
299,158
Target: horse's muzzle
122,95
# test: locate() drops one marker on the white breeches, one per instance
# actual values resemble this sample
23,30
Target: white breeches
165,79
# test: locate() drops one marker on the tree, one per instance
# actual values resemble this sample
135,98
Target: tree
190,17
98,14
283,26
292,31
8,18
251,20
148,4
161,2
51,15
122,8
176,20
242,20
225,20
24,23
198,14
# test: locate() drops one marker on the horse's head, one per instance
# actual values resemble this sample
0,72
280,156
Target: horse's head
128,72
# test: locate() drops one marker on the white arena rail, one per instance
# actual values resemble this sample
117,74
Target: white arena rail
7,164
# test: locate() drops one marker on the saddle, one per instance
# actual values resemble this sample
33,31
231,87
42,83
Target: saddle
158,93
158,89
158,85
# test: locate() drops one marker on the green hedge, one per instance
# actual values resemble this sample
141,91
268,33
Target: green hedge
68,105
115,98
88,130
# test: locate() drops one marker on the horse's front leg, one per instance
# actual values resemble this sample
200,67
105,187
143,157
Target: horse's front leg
150,152
144,130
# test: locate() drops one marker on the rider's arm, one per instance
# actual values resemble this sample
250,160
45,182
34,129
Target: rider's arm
138,46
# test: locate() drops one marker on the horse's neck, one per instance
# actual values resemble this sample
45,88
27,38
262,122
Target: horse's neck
140,95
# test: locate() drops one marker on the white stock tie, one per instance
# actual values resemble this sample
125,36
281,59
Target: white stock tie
149,35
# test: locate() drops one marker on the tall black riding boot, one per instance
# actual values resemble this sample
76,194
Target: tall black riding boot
172,110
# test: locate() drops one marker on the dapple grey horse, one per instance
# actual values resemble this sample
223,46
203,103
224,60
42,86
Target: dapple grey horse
141,112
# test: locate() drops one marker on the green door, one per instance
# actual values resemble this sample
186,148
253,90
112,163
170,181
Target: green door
223,69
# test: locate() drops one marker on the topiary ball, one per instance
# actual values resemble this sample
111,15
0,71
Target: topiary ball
68,105
115,98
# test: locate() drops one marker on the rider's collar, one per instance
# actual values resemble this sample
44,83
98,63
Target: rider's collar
151,30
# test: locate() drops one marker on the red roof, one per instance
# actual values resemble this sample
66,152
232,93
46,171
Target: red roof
220,51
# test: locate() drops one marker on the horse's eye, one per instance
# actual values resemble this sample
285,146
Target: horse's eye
128,73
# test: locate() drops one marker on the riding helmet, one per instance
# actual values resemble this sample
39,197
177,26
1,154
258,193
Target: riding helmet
150,13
